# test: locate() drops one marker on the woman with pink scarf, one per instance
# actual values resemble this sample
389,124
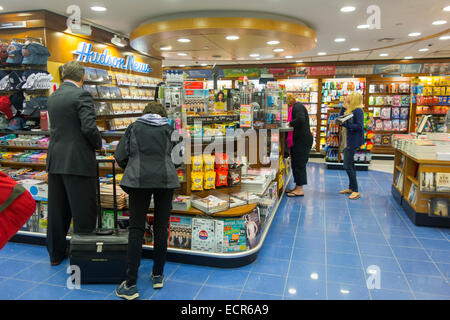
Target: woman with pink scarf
299,143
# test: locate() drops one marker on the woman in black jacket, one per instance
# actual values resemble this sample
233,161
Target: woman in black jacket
144,152
299,142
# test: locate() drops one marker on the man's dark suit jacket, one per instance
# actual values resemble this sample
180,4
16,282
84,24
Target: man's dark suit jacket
74,136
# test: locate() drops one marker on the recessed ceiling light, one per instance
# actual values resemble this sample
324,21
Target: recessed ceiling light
408,57
322,53
278,50
273,42
299,61
363,26
254,55
354,49
258,59
439,22
348,9
205,47
447,8
184,40
423,49
1,8
98,8
182,65
414,34
203,64
444,38
384,54
339,40
166,48
289,57
182,54
232,37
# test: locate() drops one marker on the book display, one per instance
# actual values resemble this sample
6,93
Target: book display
389,102
421,179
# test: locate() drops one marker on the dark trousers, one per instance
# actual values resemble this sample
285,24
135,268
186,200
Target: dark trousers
69,197
299,159
139,203
349,167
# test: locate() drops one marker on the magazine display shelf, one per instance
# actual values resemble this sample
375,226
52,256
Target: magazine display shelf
410,170
190,256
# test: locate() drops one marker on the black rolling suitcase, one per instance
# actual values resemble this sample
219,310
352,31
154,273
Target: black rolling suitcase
102,255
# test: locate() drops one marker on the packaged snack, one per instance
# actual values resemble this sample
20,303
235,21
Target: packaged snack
397,101
377,139
234,177
379,125
379,101
221,178
209,180
389,100
197,181
208,163
376,112
197,163
404,113
221,161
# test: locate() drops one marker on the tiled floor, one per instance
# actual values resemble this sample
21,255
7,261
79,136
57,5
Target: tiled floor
319,247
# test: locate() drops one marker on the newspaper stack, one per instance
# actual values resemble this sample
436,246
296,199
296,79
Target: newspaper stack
107,199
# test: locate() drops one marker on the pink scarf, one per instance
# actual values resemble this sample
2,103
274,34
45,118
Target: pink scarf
290,136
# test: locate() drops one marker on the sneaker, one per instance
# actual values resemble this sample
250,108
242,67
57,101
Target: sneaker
158,281
130,293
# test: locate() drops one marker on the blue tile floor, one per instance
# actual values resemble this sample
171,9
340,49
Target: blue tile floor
319,247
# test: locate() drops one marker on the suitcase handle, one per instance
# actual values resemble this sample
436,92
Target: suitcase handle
100,230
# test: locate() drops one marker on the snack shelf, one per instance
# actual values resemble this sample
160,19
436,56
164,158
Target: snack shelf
118,115
22,147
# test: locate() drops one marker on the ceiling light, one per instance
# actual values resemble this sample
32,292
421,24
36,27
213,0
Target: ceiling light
1,8
292,291
408,57
203,64
384,54
423,49
322,53
254,55
278,50
182,65
363,26
120,42
299,61
348,9
98,8
166,48
273,42
184,40
289,57
314,276
439,22
344,291
182,54
339,40
232,37
258,59
447,8
414,34
444,38
354,49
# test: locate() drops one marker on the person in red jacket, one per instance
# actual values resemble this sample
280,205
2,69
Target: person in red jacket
16,207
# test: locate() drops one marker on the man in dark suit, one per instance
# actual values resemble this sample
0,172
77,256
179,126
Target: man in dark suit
71,164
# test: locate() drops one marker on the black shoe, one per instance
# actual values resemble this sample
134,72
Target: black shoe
58,262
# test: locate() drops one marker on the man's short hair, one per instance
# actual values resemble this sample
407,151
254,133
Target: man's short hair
72,70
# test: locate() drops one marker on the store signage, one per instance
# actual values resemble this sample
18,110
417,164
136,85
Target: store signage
436,68
354,70
193,85
13,24
236,73
322,71
86,54
397,68
280,71
199,73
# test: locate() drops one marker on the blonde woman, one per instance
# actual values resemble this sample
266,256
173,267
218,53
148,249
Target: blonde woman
352,139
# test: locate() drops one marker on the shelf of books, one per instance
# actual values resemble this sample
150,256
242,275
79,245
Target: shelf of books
119,97
334,92
389,101
422,178
431,96
306,91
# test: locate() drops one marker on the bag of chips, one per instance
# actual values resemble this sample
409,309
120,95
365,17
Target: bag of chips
197,163
221,161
